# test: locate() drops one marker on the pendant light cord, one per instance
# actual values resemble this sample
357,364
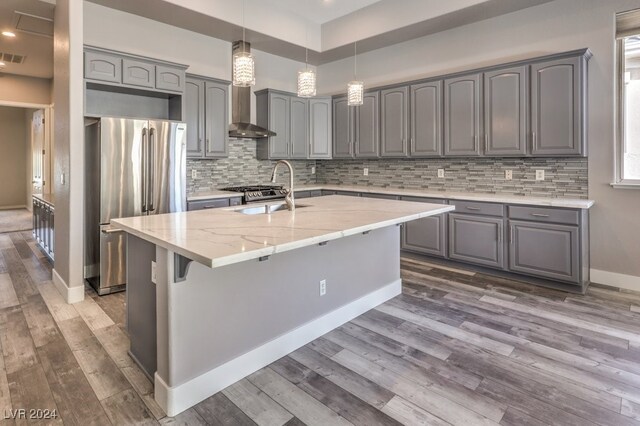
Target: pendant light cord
243,30
355,59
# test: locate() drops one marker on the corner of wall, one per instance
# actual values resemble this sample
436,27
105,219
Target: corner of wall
70,294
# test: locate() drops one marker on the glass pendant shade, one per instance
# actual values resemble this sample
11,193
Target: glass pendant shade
244,71
355,93
306,84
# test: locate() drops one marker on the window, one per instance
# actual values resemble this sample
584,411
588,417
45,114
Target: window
628,59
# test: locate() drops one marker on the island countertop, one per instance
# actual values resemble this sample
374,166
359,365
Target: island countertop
222,237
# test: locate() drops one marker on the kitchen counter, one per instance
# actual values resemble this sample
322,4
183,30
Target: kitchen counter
212,195
46,198
224,236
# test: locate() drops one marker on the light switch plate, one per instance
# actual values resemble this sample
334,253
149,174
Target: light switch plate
313,170
194,174
62,180
323,287
508,174
539,174
154,272
440,173
366,171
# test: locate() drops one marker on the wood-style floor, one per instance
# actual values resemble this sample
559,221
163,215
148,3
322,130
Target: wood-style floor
454,348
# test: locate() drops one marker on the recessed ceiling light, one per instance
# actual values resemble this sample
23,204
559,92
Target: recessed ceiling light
8,34
2,64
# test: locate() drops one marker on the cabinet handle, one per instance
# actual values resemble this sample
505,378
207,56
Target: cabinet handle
534,139
209,207
475,140
500,231
511,234
539,215
486,142
473,208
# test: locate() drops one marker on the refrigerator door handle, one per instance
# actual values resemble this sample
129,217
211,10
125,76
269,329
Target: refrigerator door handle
144,169
151,167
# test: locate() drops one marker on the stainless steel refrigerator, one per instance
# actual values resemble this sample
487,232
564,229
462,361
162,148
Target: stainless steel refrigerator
133,168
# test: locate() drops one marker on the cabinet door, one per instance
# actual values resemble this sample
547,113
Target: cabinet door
476,239
367,125
171,79
426,120
544,250
557,110
462,116
103,67
505,112
342,129
279,122
427,235
194,117
299,128
395,121
216,120
137,73
320,128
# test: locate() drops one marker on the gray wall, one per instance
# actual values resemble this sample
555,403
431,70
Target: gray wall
558,26
241,168
13,157
564,177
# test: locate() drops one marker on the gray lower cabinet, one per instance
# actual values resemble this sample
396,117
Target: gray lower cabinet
343,129
426,137
394,122
544,250
462,112
476,239
44,225
427,235
558,107
320,128
506,107
367,126
299,128
206,109
214,203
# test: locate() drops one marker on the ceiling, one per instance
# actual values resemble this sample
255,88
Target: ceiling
321,11
32,22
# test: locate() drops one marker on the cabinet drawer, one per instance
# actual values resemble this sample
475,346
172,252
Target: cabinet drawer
424,200
472,207
137,73
237,201
208,204
172,79
381,196
542,214
103,67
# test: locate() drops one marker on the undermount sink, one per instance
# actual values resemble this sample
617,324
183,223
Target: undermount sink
266,209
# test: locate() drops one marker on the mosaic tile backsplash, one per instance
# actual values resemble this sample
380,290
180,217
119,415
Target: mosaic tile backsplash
242,168
564,177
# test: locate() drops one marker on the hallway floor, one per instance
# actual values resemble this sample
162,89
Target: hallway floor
15,220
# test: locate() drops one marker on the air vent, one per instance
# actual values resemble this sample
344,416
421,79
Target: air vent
11,58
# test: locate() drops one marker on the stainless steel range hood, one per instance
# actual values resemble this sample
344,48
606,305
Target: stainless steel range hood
241,108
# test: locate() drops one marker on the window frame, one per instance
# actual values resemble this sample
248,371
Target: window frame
620,181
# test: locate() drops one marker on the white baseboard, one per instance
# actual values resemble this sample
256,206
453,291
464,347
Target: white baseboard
13,207
174,400
70,294
614,279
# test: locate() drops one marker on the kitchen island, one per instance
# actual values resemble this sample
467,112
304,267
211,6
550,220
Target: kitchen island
214,295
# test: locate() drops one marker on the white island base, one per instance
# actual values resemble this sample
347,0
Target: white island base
216,326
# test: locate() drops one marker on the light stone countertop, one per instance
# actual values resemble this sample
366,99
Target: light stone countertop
569,203
220,237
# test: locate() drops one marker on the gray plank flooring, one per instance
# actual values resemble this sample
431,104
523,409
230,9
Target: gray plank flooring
457,347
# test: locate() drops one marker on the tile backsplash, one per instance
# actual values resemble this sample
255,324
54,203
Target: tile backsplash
242,168
564,177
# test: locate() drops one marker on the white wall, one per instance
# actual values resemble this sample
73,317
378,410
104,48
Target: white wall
13,157
558,26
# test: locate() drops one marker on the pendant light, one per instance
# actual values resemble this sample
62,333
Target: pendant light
355,88
244,70
307,77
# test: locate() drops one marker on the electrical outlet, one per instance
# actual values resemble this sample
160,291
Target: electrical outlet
154,272
508,174
313,170
194,174
323,287
539,174
366,171
440,173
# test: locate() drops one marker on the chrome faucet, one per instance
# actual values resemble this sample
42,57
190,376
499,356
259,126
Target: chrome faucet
289,197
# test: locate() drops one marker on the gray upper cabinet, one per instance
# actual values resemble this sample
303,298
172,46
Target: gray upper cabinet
462,123
138,73
206,109
170,78
506,112
426,120
216,119
103,67
476,239
558,107
279,122
194,116
342,128
395,121
299,128
320,129
367,126
559,260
